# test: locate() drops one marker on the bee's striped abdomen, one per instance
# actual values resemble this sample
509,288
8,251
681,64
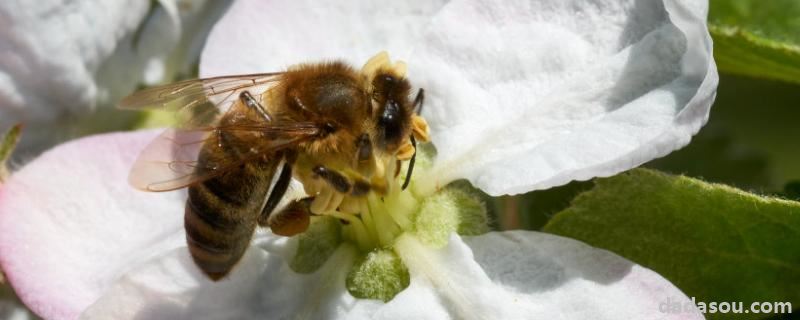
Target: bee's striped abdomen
222,212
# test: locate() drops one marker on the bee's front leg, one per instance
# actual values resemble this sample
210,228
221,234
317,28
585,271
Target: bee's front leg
335,179
339,188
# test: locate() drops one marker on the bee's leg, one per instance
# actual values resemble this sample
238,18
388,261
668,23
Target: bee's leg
335,179
292,219
419,100
219,138
253,104
277,193
357,187
419,132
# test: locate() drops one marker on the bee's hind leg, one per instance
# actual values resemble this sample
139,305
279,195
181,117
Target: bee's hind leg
277,193
293,219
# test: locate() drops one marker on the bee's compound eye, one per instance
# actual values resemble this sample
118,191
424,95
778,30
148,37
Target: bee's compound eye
390,122
390,113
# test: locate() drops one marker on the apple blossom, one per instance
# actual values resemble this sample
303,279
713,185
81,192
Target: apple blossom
522,95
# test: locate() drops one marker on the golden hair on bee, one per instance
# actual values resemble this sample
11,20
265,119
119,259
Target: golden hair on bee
340,131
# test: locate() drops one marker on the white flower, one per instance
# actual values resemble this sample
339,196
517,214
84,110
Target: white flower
61,61
522,95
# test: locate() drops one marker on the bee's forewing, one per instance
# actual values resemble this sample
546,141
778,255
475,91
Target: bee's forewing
198,103
171,161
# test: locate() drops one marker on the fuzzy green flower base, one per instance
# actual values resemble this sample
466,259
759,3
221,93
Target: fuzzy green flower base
378,275
378,272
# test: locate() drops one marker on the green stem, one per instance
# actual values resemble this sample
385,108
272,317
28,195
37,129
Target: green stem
7,145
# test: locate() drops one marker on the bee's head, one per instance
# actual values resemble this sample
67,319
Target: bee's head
391,110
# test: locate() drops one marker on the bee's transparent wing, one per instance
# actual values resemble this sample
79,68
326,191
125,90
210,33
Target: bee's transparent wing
173,160
207,110
199,103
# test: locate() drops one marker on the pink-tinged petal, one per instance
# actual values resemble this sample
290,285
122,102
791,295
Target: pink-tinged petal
530,94
268,36
508,275
70,225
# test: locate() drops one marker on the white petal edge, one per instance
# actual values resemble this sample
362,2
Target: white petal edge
268,36
533,94
521,96
518,275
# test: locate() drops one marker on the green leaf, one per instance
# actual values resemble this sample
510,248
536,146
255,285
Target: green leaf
757,38
714,242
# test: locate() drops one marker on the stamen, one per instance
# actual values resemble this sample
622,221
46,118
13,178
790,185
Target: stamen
362,237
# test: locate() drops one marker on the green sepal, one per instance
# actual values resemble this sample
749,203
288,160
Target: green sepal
456,208
317,244
380,275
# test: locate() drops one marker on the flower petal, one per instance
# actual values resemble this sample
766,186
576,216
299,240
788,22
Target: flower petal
268,36
528,94
70,224
62,60
518,275
262,287
530,275
573,280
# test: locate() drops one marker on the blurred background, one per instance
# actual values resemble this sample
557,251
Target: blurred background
751,141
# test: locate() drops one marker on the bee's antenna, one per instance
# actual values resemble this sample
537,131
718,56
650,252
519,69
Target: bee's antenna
418,101
411,163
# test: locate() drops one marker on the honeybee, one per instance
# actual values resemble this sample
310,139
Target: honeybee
240,140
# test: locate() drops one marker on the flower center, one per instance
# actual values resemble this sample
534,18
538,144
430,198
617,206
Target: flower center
392,209
382,218
379,271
